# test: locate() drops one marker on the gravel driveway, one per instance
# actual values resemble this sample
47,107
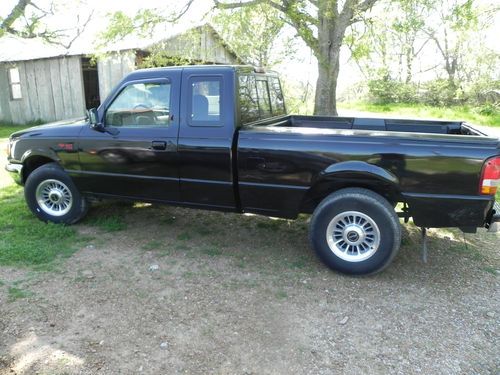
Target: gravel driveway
184,291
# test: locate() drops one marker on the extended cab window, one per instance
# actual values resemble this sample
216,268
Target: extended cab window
141,104
249,102
277,101
205,109
260,97
264,100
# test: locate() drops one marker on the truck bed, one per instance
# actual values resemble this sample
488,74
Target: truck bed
360,123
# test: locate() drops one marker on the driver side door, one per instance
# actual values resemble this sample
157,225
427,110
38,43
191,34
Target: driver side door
141,160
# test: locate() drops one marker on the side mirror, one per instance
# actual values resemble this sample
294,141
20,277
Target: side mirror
94,120
99,126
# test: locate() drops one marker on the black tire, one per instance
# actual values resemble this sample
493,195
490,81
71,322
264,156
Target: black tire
52,175
366,207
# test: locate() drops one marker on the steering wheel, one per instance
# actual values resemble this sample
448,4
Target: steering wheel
140,105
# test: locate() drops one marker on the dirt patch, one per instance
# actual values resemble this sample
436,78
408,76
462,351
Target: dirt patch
185,291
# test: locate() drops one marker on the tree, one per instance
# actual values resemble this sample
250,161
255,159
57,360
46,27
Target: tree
254,32
6,24
322,26
408,26
457,19
26,20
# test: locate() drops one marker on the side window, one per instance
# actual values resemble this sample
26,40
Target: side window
205,109
249,102
277,101
141,104
264,101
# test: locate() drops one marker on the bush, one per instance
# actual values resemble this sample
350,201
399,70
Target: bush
439,92
388,90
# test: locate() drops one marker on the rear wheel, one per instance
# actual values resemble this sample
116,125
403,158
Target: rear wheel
52,196
355,231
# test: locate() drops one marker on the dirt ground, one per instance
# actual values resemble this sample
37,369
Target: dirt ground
185,291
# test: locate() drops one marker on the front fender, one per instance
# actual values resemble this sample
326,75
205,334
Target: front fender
39,152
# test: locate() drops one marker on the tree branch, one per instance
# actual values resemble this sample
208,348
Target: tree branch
16,12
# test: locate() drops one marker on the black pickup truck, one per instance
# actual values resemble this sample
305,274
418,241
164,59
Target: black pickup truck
218,137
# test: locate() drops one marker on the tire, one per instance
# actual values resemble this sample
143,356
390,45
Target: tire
52,196
355,231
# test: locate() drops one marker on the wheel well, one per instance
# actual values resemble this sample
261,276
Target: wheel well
33,163
324,188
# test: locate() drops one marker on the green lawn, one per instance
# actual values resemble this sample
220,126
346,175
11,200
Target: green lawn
27,241
422,111
6,130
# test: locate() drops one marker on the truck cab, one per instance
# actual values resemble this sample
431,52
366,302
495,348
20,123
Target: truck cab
175,130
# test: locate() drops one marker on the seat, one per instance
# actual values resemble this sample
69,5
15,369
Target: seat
200,108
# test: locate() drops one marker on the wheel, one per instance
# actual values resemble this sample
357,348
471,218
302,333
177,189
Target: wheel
355,231
52,196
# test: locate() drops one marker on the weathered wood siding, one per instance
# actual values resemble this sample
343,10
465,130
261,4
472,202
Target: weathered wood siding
52,89
112,68
200,44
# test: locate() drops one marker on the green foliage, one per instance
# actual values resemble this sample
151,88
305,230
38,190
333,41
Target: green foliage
438,92
388,90
417,110
252,32
161,58
121,25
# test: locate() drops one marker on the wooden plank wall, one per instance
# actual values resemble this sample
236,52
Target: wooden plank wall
52,89
112,68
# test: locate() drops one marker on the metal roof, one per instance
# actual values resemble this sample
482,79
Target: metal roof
14,48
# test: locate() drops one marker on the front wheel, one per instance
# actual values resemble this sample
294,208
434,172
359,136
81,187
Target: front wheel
355,231
52,196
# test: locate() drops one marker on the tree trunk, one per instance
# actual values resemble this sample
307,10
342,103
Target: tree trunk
325,102
330,37
409,64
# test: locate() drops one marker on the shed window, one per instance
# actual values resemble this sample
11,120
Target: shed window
15,84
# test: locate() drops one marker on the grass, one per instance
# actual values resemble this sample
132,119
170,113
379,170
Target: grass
108,223
17,293
152,245
465,113
7,129
184,236
27,241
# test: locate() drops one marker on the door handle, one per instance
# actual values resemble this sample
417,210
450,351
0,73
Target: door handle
159,145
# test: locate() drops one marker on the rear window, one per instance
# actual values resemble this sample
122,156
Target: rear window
260,97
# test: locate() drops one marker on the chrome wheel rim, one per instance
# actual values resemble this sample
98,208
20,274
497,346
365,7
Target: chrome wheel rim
54,197
353,236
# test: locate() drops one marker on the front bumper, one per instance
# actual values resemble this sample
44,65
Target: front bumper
494,222
16,171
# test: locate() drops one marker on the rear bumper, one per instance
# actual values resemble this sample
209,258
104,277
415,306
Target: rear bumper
16,171
461,211
493,223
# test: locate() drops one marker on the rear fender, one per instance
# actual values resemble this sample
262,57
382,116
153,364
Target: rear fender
352,174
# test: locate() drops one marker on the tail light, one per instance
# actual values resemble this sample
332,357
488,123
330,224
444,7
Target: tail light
490,176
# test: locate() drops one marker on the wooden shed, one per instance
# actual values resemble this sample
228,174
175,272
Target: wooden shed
44,82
